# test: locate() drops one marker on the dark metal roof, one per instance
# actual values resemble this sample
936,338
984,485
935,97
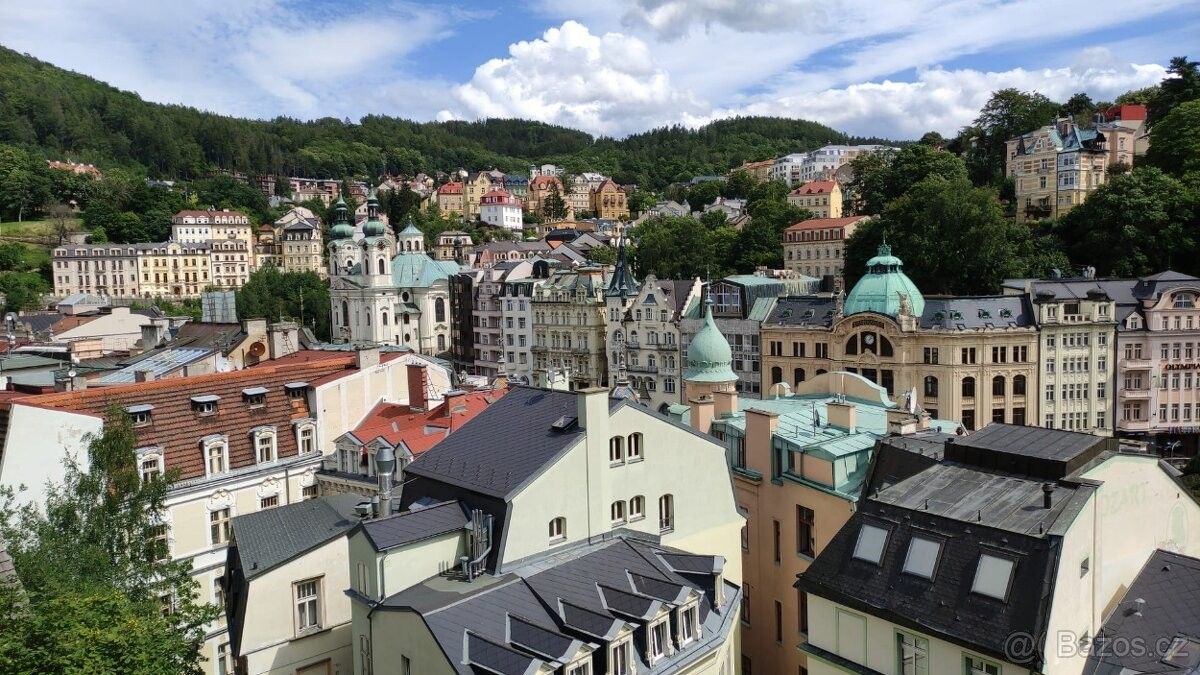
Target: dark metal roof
1046,453
268,538
1162,603
415,525
975,312
804,311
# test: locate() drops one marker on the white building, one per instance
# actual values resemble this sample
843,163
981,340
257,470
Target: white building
802,167
500,209
201,227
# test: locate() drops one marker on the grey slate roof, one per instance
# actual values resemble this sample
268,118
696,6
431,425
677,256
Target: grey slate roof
494,456
973,312
1036,451
804,311
1169,583
415,525
266,539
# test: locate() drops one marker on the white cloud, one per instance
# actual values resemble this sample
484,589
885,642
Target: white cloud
945,100
674,18
604,84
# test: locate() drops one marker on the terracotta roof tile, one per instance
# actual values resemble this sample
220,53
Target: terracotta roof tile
823,223
422,429
815,187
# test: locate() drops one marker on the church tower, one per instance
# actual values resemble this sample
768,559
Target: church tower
709,381
376,247
410,240
343,254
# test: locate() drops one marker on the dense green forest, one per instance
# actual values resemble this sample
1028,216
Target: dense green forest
58,114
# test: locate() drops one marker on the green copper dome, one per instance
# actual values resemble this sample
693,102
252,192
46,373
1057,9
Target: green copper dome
708,356
373,227
342,229
884,288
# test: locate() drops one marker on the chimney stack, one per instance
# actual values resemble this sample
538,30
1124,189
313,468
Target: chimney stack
725,403
1047,495
702,413
143,376
418,384
842,415
366,357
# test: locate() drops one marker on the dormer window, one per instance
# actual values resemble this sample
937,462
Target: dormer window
216,454
255,397
688,625
266,449
140,414
871,540
295,390
150,463
993,576
659,639
205,405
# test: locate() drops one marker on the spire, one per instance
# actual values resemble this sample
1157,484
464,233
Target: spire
372,205
622,283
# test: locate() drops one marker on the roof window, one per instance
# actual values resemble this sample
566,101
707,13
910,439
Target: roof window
993,576
205,404
922,557
871,540
139,413
255,396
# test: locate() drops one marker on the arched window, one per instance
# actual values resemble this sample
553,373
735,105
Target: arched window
931,385
968,387
616,449
380,266
666,513
439,310
633,337
998,385
1018,385
558,530
617,512
634,449
852,345
885,346
345,313
797,375
776,374
441,342
637,508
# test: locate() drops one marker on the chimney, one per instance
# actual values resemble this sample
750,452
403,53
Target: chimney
418,384
591,415
702,413
1047,495
725,402
366,357
841,415
143,376
153,334
385,467
760,427
902,422
284,338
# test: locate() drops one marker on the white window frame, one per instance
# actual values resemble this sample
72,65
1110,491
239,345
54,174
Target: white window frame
308,609
558,530
625,646
663,624
634,442
583,666
689,618
640,512
616,513
260,434
303,425
226,525
208,443
666,513
616,451
154,452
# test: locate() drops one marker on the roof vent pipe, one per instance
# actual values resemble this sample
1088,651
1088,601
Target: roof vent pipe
1047,495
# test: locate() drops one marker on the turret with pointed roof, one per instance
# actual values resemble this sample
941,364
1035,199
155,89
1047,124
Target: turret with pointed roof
374,227
622,284
342,229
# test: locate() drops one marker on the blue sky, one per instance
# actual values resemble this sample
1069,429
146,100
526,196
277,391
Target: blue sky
894,69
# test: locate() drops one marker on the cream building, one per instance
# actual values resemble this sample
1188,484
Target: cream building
569,329
450,199
817,247
174,270
298,238
102,269
608,201
947,558
473,191
971,359
1055,168
822,197
232,263
201,227
482,565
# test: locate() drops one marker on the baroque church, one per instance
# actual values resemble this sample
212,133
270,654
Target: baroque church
384,288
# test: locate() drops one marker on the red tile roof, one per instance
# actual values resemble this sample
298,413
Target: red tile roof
816,187
178,430
823,223
420,430
544,182
452,188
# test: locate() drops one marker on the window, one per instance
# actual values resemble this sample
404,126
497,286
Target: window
637,508
689,624
658,640
309,491
215,460
268,502
802,611
922,557
617,511
635,447
666,513
778,622
912,654
224,659
805,520
992,576
264,445
871,540
159,546
778,551
616,449
204,405
584,668
931,355
218,526
558,530
998,385
307,444
308,605
973,665
968,387
1018,385
931,386
150,466
619,660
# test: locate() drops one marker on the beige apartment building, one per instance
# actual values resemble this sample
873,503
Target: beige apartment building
474,189
817,247
970,359
1056,167
569,329
822,197
174,270
450,199
609,202
232,263
101,269
201,227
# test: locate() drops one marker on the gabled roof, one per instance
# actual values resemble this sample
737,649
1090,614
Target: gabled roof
416,525
268,538
419,430
451,188
815,187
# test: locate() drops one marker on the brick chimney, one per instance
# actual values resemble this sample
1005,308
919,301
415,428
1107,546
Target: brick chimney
418,384
143,376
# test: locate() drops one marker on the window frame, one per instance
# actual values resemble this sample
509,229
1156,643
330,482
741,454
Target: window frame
858,542
315,600
557,535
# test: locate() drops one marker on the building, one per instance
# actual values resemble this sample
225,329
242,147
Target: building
515,185
578,196
201,227
817,247
643,334
759,171
232,260
1023,531
385,289
510,251
822,197
569,335
1055,168
102,269
326,190
1077,361
500,209
740,303
541,186
820,164
1131,116
473,191
176,270
450,199
454,245
972,359
797,459
608,201
297,235
569,487
516,312
494,335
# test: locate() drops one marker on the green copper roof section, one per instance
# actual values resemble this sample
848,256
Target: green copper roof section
374,227
417,270
709,358
342,229
411,229
884,288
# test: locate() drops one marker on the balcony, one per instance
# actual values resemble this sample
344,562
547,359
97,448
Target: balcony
539,350
1137,363
1133,425
642,369
1136,394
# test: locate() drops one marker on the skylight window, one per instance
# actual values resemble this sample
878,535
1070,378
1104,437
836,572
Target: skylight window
1184,652
871,540
992,576
922,557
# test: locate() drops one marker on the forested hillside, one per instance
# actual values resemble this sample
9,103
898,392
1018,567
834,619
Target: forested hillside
57,114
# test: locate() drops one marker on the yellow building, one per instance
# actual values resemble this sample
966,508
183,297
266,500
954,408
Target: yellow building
822,197
173,269
972,359
1056,167
608,201
569,329
759,171
473,191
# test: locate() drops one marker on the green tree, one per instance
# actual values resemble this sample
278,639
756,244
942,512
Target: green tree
1008,113
602,255
953,238
703,194
1081,108
12,257
714,219
226,192
739,185
301,296
554,207
639,201
672,248
93,575
1135,224
1181,85
1176,146
880,178
24,183
22,290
